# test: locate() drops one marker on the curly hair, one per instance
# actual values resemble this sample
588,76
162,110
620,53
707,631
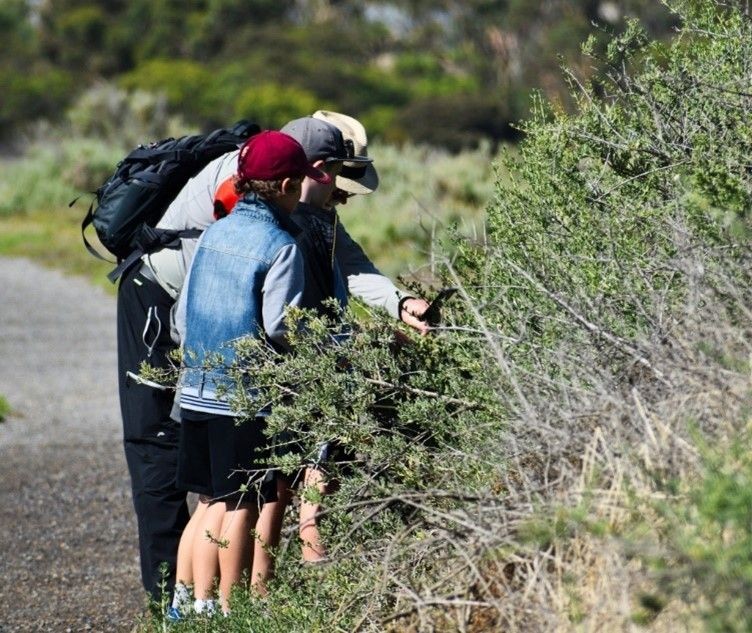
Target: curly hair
264,188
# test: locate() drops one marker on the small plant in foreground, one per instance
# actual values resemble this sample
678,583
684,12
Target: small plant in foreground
5,409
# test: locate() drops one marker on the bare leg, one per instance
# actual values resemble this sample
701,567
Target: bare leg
312,547
184,572
236,557
268,530
205,551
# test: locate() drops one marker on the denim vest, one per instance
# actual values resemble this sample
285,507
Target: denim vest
224,298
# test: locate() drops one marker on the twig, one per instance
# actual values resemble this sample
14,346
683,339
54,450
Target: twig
423,392
436,602
592,327
640,175
493,344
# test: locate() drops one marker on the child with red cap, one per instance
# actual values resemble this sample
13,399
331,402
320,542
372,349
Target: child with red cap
246,270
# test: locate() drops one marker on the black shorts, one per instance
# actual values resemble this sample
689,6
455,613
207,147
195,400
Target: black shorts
215,457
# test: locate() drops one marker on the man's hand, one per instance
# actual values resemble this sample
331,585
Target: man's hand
412,309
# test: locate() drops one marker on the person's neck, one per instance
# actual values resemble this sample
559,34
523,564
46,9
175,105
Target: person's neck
270,203
313,205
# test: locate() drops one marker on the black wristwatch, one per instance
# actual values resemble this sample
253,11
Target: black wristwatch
401,305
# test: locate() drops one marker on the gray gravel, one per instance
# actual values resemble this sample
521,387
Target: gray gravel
68,550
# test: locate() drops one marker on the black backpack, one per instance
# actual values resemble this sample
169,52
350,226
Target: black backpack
135,197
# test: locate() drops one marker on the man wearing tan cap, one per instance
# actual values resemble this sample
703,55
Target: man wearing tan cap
335,267
354,178
316,215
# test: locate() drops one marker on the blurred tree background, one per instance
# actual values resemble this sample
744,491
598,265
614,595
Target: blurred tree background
448,73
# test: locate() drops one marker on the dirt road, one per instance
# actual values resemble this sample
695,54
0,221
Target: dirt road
68,551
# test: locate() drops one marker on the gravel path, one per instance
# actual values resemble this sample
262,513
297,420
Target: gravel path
68,551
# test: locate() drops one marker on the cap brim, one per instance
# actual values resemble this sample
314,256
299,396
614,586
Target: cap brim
364,160
365,184
317,175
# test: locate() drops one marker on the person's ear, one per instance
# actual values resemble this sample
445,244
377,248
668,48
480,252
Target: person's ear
289,185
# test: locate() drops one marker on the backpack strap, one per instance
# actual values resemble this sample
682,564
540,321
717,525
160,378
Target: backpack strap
155,238
155,157
245,129
84,224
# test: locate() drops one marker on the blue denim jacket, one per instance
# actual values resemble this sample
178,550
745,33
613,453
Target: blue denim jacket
246,271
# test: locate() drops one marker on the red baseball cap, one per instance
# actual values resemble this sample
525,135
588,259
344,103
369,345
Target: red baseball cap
271,155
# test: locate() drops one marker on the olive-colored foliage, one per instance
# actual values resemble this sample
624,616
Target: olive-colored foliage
458,120
80,35
118,120
42,93
383,401
214,28
5,409
272,105
410,418
186,85
606,191
31,87
17,34
38,183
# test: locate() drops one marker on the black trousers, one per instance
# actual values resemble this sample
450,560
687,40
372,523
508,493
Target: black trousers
150,436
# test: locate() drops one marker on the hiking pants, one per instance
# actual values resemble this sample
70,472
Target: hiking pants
150,436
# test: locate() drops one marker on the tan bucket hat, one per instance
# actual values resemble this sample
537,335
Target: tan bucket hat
355,177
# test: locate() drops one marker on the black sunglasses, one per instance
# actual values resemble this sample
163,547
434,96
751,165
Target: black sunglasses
341,194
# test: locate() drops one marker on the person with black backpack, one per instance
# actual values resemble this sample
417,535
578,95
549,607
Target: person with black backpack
154,261
154,247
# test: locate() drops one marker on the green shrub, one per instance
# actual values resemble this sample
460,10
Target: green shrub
54,173
460,121
29,95
272,105
82,28
122,119
35,184
187,85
